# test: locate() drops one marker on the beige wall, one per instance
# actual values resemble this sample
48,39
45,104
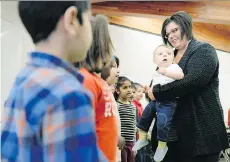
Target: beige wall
134,49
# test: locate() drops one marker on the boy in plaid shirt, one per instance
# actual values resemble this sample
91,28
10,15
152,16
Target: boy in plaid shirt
48,114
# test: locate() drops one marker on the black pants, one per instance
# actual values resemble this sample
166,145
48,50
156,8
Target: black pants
174,156
177,152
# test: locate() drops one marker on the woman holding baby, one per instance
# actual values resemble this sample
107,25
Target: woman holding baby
198,119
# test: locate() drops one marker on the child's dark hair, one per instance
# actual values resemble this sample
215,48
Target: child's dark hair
120,82
137,85
117,60
105,72
41,17
133,86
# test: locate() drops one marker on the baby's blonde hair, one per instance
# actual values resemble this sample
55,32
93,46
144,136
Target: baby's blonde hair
162,45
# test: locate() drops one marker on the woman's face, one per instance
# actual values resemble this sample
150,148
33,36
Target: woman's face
173,34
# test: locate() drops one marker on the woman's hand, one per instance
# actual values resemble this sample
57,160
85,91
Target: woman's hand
121,142
150,94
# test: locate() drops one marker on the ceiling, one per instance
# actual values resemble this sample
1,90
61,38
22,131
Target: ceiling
210,21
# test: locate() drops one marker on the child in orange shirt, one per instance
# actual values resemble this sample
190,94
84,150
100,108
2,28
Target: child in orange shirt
105,109
110,74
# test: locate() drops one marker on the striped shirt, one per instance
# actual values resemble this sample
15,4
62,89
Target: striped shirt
48,116
127,114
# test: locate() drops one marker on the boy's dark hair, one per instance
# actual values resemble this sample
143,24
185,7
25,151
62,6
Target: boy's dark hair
184,20
41,17
120,82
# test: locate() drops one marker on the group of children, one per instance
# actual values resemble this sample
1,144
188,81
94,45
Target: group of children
49,114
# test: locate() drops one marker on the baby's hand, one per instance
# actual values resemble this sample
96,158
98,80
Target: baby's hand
161,70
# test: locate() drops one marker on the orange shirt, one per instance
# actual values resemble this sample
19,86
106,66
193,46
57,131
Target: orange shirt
105,113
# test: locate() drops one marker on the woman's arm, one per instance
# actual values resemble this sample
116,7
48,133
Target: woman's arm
200,68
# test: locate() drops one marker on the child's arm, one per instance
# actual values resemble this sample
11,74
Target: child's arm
174,73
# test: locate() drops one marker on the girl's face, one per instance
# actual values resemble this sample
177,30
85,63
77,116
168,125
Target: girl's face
114,74
139,93
125,91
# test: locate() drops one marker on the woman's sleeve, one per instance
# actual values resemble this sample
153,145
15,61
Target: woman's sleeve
200,68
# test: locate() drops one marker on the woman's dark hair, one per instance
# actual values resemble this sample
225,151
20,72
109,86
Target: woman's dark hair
101,47
184,20
41,17
120,82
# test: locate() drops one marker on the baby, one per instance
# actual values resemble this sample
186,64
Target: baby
167,72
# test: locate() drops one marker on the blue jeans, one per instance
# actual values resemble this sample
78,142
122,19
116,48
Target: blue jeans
165,111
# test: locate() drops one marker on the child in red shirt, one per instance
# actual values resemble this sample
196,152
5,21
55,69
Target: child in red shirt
137,97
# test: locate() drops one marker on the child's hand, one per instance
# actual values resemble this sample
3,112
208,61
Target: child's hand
121,142
161,70
146,88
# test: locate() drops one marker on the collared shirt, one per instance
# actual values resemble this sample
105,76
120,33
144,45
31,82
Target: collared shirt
48,116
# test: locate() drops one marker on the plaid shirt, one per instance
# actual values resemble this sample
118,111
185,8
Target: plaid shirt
48,116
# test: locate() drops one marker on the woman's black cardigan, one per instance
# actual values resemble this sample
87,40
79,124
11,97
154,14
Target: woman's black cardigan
199,116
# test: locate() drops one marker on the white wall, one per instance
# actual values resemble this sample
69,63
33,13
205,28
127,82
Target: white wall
135,50
15,43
